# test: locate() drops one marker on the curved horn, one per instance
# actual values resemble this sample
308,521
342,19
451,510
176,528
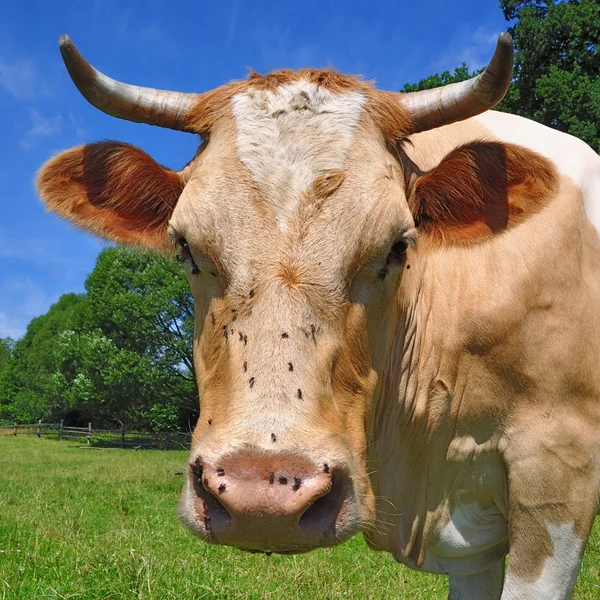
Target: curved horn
458,101
130,102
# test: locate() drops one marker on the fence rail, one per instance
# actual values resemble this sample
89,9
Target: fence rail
102,438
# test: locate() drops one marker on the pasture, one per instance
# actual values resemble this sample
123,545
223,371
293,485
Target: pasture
101,524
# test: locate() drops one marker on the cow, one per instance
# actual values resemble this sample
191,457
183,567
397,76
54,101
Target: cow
397,315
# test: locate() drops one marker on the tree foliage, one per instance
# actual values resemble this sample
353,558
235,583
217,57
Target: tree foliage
27,391
557,65
439,79
120,354
6,350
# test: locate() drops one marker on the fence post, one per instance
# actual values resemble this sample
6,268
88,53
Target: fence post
39,429
89,435
15,432
60,430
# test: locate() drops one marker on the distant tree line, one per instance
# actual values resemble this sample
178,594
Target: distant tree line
121,353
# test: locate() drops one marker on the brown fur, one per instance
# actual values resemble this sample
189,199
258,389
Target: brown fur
324,185
113,189
479,189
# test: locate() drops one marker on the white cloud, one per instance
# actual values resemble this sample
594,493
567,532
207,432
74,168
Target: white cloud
41,127
49,253
18,77
78,125
21,79
232,23
475,49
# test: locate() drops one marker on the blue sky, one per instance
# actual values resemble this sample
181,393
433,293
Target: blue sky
187,46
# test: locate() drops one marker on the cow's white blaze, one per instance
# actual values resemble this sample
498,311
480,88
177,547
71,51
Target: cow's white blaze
559,573
287,137
570,155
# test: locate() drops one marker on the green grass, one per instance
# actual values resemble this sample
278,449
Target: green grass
101,524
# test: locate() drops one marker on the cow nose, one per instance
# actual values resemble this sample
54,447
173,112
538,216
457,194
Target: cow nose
268,502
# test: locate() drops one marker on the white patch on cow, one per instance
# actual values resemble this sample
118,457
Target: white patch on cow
559,573
287,137
571,156
475,538
471,530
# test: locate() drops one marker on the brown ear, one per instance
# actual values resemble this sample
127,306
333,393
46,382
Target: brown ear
480,189
112,189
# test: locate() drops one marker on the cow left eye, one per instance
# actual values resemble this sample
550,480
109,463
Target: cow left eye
185,256
397,252
399,249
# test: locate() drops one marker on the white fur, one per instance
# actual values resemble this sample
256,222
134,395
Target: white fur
571,156
559,573
472,529
286,138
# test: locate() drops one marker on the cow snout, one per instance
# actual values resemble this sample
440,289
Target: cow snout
270,502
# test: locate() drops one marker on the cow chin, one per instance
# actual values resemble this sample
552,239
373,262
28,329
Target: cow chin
257,507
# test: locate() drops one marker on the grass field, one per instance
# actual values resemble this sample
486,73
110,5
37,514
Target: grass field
94,524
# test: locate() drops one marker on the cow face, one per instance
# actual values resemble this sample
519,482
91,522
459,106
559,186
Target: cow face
294,229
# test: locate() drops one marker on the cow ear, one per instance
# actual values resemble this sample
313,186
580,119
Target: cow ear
480,189
112,189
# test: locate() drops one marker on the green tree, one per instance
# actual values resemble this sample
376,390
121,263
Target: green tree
6,350
120,354
557,65
439,79
27,390
132,362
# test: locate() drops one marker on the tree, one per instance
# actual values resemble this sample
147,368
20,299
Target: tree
132,363
6,350
439,79
557,65
120,354
27,391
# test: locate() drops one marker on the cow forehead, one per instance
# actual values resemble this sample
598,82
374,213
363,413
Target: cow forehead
301,165
289,136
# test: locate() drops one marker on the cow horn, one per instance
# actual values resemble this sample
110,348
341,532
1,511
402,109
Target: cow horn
125,101
458,101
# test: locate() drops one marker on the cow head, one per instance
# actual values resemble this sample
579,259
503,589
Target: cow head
296,222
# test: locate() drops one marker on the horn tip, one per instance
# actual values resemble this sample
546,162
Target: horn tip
64,41
505,39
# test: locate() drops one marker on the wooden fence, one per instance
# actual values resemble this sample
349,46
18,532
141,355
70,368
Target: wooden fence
103,438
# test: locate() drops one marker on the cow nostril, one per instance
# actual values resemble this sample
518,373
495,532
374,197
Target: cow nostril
214,510
322,514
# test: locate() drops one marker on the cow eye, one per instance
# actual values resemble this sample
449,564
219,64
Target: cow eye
398,251
185,256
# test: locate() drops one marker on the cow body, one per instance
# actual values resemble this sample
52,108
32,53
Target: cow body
397,324
496,373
